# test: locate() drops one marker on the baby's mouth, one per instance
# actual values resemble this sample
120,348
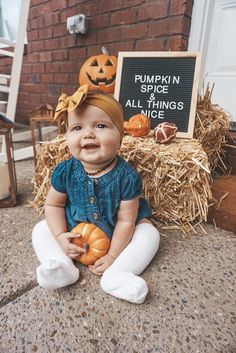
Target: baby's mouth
90,146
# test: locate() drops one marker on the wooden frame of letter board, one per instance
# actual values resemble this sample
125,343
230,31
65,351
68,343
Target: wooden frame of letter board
196,77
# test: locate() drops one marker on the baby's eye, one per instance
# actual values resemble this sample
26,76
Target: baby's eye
77,128
101,126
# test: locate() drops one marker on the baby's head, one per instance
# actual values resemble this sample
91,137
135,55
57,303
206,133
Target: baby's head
94,126
83,98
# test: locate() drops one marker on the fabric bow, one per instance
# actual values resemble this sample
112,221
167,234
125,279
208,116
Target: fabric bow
69,103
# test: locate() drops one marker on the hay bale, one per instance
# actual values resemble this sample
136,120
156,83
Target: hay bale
50,154
175,176
211,126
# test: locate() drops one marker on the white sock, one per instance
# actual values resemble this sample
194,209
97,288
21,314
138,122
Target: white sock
53,274
122,279
126,286
57,269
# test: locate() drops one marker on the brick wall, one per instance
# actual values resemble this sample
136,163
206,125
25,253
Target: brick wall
54,57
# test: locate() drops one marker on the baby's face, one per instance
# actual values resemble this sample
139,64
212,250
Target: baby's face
92,136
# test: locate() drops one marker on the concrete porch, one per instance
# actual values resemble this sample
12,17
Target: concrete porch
190,307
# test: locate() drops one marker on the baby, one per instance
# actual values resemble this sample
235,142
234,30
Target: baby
97,186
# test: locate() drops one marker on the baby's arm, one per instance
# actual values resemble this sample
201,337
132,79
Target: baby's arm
122,235
124,229
56,220
55,211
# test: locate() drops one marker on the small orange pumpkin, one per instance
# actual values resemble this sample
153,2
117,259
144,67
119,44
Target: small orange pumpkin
138,125
92,239
99,71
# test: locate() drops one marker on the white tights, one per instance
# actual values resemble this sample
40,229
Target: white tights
120,279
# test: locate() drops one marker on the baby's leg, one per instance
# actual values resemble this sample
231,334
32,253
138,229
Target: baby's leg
121,278
57,269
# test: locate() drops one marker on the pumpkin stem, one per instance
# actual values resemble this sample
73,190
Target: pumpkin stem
85,247
105,51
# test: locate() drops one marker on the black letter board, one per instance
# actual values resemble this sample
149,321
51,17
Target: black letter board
161,85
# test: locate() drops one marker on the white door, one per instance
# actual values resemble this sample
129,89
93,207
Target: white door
218,43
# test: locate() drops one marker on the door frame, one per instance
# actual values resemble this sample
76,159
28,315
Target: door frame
202,15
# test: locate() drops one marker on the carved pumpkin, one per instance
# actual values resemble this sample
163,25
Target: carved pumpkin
99,71
92,239
138,125
165,132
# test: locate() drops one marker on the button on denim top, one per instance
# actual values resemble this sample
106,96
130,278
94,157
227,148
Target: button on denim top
97,200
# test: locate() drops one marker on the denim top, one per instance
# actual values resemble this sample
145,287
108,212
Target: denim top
97,200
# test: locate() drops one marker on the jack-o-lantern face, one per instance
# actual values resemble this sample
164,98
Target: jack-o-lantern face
99,72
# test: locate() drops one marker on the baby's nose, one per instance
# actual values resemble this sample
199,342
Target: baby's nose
89,133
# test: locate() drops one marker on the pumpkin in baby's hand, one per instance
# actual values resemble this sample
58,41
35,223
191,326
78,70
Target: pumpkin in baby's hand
165,132
92,239
138,125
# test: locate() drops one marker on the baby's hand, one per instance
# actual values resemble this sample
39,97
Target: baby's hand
101,264
71,250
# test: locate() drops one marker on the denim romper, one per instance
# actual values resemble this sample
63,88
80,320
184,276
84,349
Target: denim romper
97,200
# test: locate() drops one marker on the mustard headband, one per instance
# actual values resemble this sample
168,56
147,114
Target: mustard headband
102,101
